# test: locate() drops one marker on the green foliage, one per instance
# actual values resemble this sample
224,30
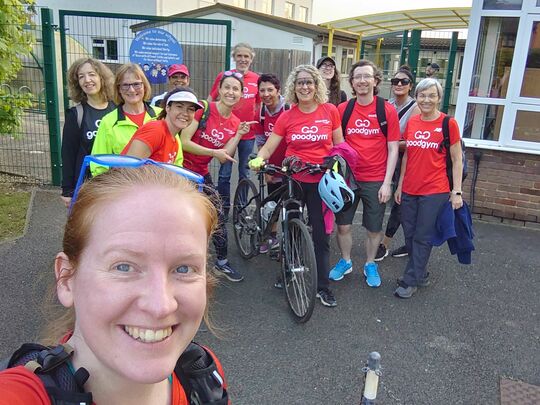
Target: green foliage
15,41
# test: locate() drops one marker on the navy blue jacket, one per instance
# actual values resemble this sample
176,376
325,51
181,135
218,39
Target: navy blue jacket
455,227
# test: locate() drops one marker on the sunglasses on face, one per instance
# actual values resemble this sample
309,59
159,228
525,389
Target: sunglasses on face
133,162
230,73
126,86
403,82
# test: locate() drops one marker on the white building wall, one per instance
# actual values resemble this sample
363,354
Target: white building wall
144,7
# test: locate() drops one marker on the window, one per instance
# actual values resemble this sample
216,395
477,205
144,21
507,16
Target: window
491,68
289,10
502,4
267,6
302,14
531,79
105,49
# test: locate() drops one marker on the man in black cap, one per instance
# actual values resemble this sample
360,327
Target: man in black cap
432,70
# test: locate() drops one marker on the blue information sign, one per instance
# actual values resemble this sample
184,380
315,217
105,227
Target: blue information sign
155,49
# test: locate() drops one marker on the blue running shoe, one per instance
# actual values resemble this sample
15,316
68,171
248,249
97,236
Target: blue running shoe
229,272
340,269
372,275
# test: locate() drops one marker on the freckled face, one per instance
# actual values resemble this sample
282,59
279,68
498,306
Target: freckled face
139,290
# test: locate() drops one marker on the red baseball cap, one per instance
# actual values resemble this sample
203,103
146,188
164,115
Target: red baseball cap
178,68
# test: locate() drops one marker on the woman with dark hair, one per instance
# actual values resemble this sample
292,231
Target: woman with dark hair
218,139
158,140
90,85
402,86
331,76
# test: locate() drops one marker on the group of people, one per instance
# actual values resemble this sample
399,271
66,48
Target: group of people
138,238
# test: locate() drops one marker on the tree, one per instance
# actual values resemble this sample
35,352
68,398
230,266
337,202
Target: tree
15,41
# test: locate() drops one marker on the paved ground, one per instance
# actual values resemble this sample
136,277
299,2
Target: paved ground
450,344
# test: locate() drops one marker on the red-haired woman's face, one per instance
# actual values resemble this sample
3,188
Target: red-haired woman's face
139,289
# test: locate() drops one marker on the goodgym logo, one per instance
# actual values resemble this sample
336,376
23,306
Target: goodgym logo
422,134
309,133
421,141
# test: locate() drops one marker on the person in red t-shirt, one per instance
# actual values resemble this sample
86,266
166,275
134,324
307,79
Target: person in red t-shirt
218,139
243,55
132,275
310,128
373,173
423,184
158,140
273,104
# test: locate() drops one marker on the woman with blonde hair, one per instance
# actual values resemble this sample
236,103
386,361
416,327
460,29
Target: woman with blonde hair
90,86
310,128
132,92
132,275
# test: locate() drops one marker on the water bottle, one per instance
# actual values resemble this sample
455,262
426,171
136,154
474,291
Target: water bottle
268,209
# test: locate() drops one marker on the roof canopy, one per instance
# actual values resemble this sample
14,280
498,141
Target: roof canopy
378,25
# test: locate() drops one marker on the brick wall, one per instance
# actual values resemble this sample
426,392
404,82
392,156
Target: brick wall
507,188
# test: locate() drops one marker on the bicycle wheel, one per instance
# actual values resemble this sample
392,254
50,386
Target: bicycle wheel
299,268
245,218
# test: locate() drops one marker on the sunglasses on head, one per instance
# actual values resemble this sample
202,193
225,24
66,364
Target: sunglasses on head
133,162
229,73
404,82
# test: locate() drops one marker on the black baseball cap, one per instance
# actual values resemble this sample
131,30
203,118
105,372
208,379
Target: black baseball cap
435,66
324,58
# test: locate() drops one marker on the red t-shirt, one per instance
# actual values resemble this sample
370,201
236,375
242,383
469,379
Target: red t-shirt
156,135
246,107
425,172
308,135
266,129
364,134
20,386
137,119
217,133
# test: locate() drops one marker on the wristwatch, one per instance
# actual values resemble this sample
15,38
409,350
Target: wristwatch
457,192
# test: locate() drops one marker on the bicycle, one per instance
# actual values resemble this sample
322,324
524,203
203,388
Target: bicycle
296,251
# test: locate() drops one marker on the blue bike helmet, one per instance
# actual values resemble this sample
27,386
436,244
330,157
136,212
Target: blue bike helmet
335,192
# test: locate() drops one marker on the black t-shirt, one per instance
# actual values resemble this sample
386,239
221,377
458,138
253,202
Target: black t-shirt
77,142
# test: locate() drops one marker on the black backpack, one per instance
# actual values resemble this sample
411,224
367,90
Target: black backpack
196,370
445,145
381,115
205,114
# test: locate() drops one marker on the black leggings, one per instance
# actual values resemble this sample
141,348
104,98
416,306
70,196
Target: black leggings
219,238
321,240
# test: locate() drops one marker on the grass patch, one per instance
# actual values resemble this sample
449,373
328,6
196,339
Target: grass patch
13,207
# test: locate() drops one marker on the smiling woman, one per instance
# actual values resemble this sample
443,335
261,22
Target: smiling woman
132,274
159,140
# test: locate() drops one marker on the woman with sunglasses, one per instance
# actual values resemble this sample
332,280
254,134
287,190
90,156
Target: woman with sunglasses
159,140
402,85
310,128
131,93
245,109
90,84
132,278
218,139
423,184
331,76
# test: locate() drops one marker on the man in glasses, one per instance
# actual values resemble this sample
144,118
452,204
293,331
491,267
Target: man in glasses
178,77
371,127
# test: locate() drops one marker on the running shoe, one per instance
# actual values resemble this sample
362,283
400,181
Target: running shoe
382,252
372,274
405,291
272,243
230,273
340,269
326,297
400,252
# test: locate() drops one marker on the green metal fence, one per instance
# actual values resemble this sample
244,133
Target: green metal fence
27,151
106,36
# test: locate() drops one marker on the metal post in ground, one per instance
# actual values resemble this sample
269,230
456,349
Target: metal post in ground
51,93
371,381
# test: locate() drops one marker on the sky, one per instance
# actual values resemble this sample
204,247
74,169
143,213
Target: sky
329,10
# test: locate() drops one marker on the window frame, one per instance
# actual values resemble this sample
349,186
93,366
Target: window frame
513,102
105,49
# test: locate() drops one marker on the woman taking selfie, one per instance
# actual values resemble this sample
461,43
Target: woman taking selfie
132,277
